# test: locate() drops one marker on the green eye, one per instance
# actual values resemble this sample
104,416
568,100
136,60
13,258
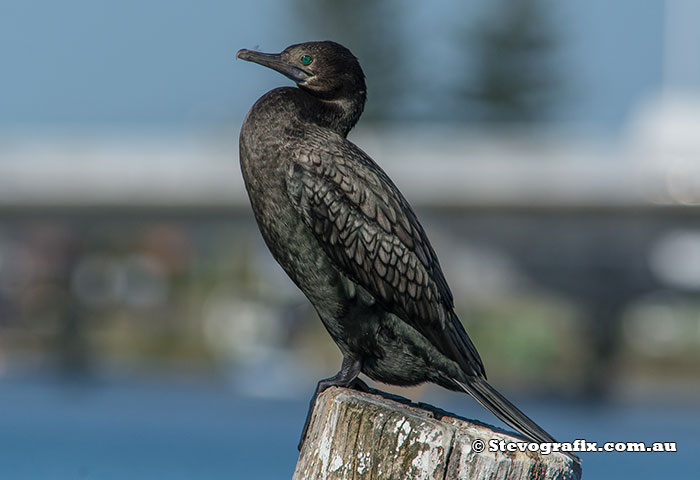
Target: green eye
305,59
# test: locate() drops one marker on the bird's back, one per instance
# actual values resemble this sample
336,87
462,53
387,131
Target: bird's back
372,235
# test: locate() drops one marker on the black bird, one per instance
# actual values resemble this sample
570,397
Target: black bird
348,238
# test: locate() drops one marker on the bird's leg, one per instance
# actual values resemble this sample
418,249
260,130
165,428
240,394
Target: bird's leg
346,377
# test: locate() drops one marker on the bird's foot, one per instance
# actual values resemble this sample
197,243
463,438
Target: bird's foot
346,377
360,386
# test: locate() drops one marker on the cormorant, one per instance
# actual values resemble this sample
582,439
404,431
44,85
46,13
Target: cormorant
348,238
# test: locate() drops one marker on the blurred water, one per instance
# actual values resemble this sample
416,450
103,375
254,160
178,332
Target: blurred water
194,429
143,430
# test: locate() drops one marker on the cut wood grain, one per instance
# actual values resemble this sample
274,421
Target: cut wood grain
356,435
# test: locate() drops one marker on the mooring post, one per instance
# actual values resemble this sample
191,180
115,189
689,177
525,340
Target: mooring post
356,435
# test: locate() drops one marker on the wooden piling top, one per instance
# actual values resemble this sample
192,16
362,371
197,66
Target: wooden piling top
356,435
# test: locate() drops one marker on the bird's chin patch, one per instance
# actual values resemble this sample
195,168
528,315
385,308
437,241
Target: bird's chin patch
298,75
304,82
302,77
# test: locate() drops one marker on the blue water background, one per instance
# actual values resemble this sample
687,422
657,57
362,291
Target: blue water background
203,429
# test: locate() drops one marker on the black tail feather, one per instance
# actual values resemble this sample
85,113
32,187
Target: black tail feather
499,405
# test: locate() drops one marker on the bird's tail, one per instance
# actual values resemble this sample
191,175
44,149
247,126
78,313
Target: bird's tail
500,406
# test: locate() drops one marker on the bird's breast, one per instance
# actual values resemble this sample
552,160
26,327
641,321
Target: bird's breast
264,164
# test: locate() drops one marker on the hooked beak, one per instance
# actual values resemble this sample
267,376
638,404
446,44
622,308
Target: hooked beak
275,61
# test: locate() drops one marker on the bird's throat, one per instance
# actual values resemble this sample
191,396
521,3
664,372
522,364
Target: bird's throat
339,114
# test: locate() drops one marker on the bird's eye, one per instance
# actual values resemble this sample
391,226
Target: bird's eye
305,59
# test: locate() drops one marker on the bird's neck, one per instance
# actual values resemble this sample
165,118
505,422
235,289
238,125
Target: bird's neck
339,114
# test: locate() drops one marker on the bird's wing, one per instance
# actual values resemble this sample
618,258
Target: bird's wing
367,227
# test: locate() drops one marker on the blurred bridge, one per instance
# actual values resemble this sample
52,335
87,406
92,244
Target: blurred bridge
603,225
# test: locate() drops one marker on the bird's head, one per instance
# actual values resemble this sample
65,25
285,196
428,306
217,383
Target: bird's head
326,69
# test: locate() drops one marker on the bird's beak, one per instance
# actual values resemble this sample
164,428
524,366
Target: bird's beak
275,61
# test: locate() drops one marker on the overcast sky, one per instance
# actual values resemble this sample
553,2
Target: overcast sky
171,63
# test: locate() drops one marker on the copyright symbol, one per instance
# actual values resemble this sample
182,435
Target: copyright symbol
478,445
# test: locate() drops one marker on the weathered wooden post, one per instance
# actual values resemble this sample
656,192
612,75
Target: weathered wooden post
355,435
